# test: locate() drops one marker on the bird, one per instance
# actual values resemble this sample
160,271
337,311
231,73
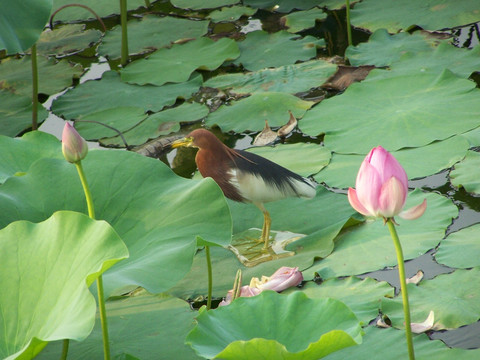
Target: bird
244,176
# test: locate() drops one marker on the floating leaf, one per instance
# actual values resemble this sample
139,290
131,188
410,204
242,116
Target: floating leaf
262,50
231,13
199,4
464,174
328,323
286,6
16,75
158,214
151,33
460,249
288,78
103,9
110,92
250,113
16,113
369,247
453,297
302,20
175,64
159,322
47,297
402,15
395,112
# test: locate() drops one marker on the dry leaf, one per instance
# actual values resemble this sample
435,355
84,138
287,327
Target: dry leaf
415,279
266,137
345,76
288,127
419,328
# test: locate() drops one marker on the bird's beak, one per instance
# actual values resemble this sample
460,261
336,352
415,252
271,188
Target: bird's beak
188,142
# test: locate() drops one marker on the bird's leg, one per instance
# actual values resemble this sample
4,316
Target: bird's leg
267,221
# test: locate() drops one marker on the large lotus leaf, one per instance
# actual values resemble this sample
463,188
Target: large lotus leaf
175,64
395,112
289,78
369,247
454,299
110,92
460,249
67,40
16,113
383,49
362,296
390,344
417,162
304,159
158,214
101,8
19,33
121,118
150,33
262,50
321,219
19,153
53,77
250,113
231,13
286,6
401,15
159,323
266,327
200,4
45,295
302,20
465,173
161,123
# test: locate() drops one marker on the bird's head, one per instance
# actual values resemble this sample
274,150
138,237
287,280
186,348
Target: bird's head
199,138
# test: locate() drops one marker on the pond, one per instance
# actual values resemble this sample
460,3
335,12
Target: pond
228,69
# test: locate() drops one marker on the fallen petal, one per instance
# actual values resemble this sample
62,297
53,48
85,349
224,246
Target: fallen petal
266,137
288,127
414,212
419,328
415,279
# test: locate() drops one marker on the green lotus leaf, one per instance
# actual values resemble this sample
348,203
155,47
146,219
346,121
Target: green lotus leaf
417,162
176,64
395,112
16,75
302,20
150,33
19,33
110,92
454,299
102,8
402,15
383,49
158,214
362,296
286,6
369,247
464,174
121,118
16,113
250,113
161,123
390,344
19,153
159,322
304,159
262,50
67,40
199,4
241,329
460,249
231,13
45,295
290,79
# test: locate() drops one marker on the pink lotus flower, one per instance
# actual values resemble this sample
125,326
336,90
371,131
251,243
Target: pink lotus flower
245,291
382,187
281,279
74,147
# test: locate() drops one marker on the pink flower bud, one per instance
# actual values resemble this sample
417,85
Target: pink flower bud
382,187
282,279
74,147
245,291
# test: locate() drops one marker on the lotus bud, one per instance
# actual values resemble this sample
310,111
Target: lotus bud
74,147
245,291
282,279
381,188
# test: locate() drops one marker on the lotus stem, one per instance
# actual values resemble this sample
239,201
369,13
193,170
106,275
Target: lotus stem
34,88
349,28
210,280
403,287
101,297
123,20
66,343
